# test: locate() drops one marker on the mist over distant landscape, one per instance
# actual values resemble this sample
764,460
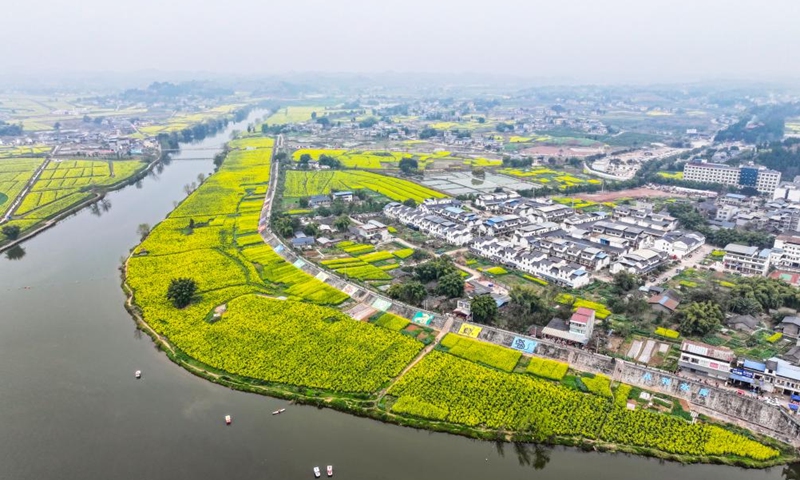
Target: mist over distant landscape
567,42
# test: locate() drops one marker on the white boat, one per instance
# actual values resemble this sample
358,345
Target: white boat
316,472
227,419
138,374
330,470
276,412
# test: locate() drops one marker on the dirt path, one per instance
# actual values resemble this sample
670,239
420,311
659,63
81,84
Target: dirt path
439,336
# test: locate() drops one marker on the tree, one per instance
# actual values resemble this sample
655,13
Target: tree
303,202
410,202
408,165
181,291
625,281
484,309
341,223
435,269
700,318
451,285
420,255
410,292
87,119
11,232
57,125
312,229
324,212
304,159
280,156
143,230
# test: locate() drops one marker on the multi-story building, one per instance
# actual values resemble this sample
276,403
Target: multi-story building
577,330
789,191
679,243
744,260
711,173
789,248
707,360
762,179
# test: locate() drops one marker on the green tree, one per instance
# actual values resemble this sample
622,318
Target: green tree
700,318
341,223
303,202
411,292
312,229
451,285
11,232
408,165
181,291
626,281
410,202
484,309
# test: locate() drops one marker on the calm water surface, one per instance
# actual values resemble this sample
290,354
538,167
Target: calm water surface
70,407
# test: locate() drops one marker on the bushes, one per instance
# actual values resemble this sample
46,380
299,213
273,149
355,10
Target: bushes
666,332
599,385
492,355
622,394
774,337
547,368
403,253
375,257
534,279
392,322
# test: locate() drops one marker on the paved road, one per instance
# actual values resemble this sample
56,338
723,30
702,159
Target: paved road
689,261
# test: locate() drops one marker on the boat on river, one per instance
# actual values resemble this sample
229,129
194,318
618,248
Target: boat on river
316,472
227,419
278,412
138,374
330,470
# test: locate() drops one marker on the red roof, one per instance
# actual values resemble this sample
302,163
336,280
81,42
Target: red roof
582,315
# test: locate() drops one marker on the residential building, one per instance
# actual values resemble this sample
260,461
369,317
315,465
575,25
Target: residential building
319,201
577,330
771,375
343,196
666,302
707,360
789,246
639,262
679,243
744,260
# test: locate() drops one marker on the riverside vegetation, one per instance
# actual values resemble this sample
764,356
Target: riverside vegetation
257,323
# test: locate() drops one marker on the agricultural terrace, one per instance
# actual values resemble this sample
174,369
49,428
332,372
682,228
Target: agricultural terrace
14,175
304,183
8,151
237,323
551,178
377,159
65,183
364,263
442,387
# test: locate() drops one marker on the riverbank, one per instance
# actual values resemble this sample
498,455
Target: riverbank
372,407
47,223
219,342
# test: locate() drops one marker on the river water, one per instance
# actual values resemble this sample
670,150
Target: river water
70,407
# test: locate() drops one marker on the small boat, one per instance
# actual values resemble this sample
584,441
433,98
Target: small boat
227,419
138,374
277,412
330,470
316,472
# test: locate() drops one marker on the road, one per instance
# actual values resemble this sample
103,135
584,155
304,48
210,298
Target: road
287,253
689,261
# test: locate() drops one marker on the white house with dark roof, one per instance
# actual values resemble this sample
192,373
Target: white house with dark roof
744,260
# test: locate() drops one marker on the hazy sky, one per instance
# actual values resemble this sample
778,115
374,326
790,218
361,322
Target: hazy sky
590,40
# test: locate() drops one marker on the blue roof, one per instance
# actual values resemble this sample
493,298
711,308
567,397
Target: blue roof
741,378
454,210
753,365
337,194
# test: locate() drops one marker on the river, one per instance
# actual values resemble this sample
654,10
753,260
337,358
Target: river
70,407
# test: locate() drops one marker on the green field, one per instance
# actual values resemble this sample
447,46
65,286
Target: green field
14,175
551,178
293,115
297,341
65,183
304,183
